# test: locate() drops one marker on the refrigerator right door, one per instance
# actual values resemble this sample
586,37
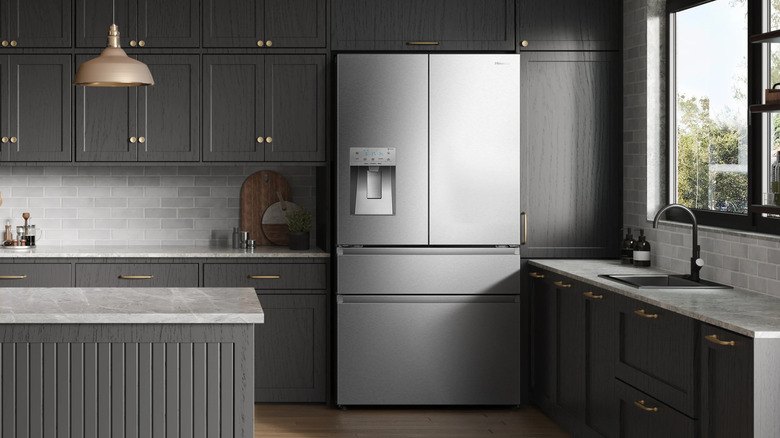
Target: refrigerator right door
475,149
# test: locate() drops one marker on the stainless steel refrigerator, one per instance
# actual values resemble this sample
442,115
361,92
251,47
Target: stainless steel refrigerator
428,229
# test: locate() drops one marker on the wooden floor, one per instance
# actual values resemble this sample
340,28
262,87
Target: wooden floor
319,421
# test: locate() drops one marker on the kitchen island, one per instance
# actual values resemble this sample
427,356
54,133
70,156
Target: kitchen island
127,362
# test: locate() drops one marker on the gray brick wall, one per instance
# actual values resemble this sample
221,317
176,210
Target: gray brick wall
158,206
746,260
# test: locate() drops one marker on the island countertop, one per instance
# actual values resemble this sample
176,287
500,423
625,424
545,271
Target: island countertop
43,251
130,306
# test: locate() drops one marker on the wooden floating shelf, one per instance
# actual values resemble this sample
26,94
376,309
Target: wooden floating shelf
768,209
767,37
765,108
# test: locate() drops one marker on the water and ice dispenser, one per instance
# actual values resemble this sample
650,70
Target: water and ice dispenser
372,180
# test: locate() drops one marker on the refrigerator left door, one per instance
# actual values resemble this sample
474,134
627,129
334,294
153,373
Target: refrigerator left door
382,106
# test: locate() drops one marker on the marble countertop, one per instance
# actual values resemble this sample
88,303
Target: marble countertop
73,305
42,251
749,313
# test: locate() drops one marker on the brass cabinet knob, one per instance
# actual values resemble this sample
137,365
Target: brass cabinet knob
4,43
269,43
133,43
132,139
260,139
141,43
269,139
260,43
13,139
4,139
524,43
141,139
13,43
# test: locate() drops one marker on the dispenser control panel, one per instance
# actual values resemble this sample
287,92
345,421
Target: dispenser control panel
372,156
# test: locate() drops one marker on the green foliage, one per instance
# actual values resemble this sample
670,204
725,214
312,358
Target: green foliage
299,220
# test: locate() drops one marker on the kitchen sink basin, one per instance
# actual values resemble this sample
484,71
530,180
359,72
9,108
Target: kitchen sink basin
663,281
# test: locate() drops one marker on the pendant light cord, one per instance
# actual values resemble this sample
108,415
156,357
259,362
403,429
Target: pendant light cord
113,11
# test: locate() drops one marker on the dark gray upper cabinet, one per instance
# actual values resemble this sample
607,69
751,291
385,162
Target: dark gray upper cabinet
40,23
544,368
423,25
35,105
295,108
169,111
158,123
570,149
264,23
142,23
569,25
264,108
726,381
233,108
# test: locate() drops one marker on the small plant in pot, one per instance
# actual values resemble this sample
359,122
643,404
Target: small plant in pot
299,222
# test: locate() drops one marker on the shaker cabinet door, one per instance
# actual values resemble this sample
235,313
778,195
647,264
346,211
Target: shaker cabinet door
169,23
168,112
569,25
295,107
295,23
233,112
40,23
93,18
232,23
40,123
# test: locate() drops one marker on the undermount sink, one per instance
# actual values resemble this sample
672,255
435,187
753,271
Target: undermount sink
663,281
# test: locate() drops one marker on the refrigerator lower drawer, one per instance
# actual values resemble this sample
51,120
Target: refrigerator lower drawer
428,350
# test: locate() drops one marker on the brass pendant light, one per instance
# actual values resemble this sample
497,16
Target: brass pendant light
113,68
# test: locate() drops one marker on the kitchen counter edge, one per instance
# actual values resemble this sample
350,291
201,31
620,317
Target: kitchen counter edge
161,252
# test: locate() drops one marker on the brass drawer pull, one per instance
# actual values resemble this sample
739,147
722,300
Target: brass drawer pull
562,284
525,227
136,277
422,43
645,315
595,297
714,339
641,405
535,275
264,277
13,277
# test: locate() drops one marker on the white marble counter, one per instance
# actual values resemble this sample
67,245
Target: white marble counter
129,306
43,251
749,313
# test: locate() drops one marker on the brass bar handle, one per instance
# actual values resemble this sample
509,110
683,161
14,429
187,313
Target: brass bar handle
590,294
535,275
13,277
136,277
641,405
562,284
422,43
265,277
714,339
645,315
525,227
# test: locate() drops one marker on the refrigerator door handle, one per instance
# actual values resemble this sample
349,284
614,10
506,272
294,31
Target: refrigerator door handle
503,250
427,299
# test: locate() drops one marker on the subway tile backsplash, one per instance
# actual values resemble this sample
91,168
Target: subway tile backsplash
143,205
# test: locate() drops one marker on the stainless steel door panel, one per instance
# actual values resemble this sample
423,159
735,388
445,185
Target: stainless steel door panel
428,350
383,102
475,149
433,271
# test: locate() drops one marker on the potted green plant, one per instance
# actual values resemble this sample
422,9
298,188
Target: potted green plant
299,222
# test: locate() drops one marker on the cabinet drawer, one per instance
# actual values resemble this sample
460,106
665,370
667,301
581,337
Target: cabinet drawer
266,276
137,275
35,275
656,353
642,416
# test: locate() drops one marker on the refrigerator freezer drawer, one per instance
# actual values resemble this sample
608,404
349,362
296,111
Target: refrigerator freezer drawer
428,350
433,271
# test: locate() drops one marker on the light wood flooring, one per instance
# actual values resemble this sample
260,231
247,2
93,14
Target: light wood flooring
320,421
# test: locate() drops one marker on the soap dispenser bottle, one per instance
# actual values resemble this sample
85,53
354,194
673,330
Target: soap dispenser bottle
642,250
627,249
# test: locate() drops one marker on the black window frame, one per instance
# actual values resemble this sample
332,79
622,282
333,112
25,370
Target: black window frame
751,222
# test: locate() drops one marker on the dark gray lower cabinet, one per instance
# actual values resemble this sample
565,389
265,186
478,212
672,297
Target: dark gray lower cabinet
290,349
137,275
726,383
544,343
641,416
35,275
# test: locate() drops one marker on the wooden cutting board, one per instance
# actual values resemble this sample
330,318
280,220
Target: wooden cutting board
275,226
257,194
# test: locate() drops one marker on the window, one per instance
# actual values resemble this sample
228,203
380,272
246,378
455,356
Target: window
723,158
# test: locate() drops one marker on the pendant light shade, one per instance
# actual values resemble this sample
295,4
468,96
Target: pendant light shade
113,68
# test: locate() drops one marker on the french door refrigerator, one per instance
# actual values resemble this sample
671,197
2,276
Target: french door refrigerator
428,229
